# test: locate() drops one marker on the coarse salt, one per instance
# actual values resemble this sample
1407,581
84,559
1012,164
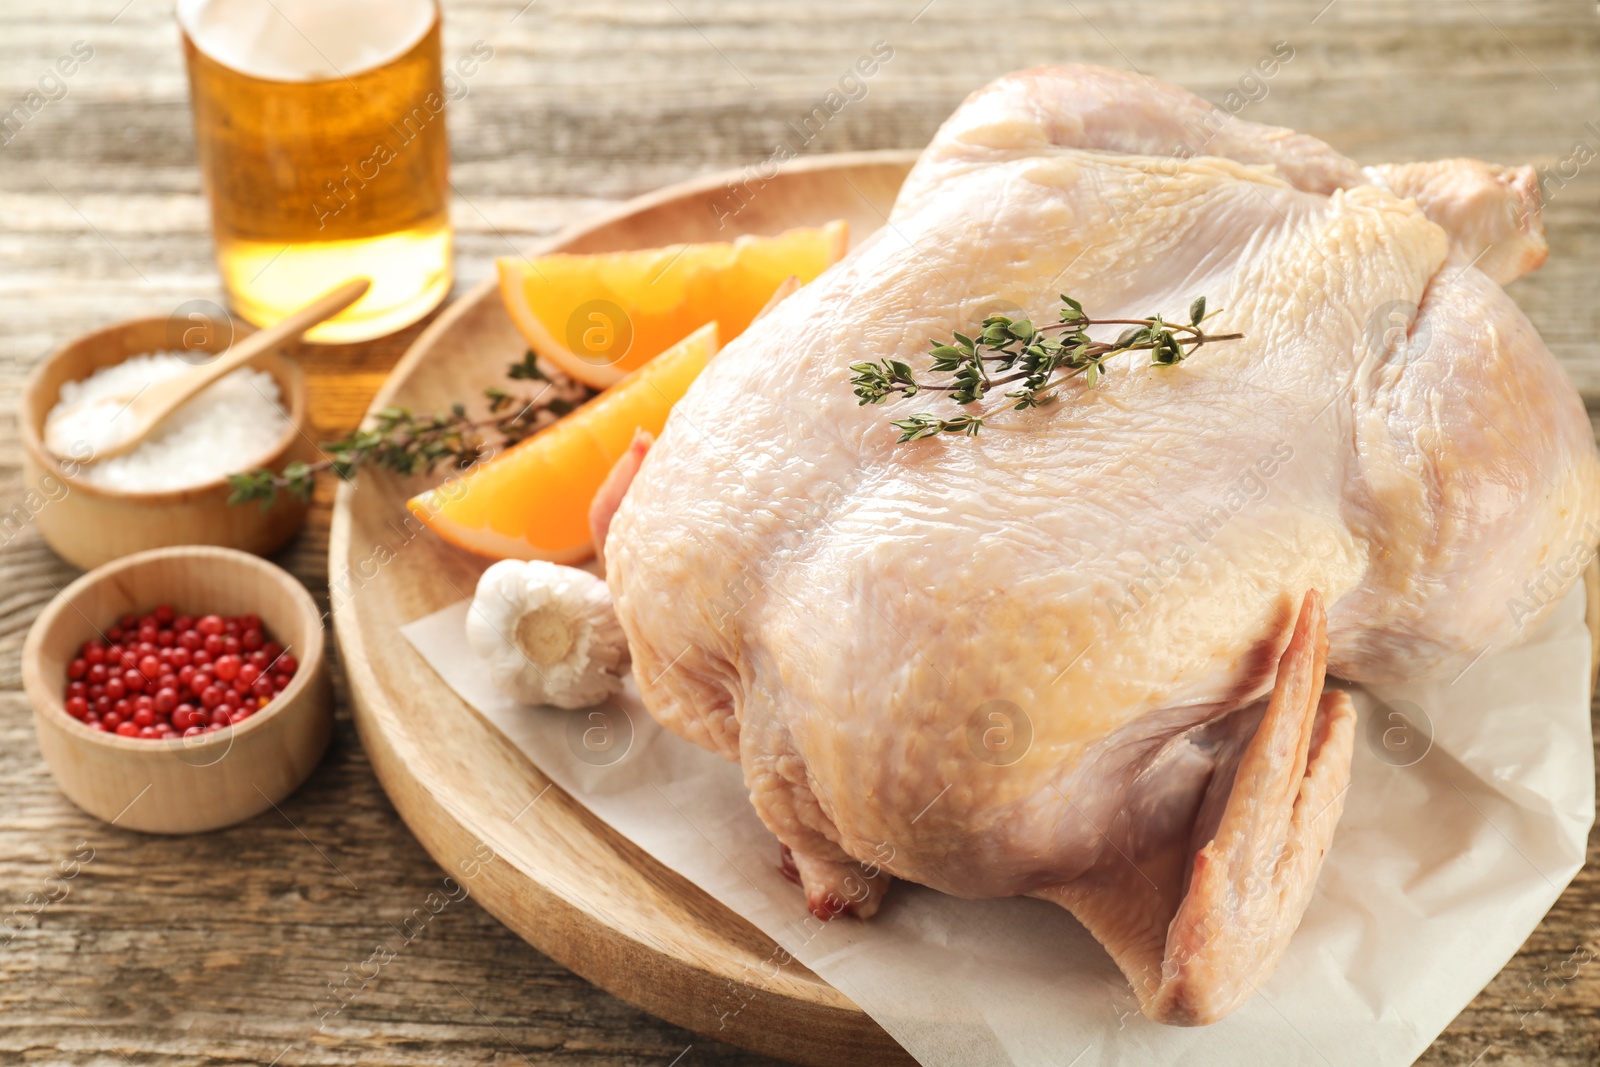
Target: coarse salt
230,426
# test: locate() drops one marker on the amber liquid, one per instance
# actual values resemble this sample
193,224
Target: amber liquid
317,181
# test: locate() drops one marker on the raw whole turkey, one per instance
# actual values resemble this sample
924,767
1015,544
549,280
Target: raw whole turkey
1081,655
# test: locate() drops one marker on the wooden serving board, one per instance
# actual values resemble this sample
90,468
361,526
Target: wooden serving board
559,877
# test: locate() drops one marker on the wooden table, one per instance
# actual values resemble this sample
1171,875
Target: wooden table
226,946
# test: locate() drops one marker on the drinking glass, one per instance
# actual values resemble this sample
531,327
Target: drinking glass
320,130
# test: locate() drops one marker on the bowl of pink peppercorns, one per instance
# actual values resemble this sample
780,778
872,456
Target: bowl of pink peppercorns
180,689
163,675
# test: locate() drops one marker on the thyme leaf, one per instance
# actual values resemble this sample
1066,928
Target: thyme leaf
399,440
1034,359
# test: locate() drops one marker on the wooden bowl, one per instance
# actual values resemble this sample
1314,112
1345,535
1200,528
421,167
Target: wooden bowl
88,524
182,785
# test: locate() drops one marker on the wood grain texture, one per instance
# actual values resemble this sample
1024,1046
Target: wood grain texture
222,946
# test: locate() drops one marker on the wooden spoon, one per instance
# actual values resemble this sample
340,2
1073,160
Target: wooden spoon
137,415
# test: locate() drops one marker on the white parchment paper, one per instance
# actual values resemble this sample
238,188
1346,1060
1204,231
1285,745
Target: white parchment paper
1451,850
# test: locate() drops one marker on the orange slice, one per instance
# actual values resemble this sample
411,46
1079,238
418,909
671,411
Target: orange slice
598,317
532,500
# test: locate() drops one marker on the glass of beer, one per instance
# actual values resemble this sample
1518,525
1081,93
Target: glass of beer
319,126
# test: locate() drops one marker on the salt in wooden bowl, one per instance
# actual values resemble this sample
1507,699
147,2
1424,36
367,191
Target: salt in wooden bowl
88,524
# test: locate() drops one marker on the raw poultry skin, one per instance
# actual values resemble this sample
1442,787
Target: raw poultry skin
1133,569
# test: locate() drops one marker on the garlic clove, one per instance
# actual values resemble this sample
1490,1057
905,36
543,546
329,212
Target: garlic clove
548,633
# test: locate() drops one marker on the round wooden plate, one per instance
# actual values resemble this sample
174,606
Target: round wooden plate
537,860
530,854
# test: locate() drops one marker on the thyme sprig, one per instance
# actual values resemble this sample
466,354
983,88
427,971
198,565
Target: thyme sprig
398,440
1016,352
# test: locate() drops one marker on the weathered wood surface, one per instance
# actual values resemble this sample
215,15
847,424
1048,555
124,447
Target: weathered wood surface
223,946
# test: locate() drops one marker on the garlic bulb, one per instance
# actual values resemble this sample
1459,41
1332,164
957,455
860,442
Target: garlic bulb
548,633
